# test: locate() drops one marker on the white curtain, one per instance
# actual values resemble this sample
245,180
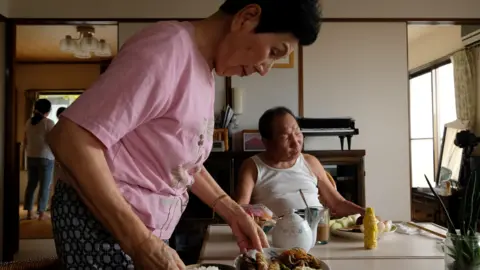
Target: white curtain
465,73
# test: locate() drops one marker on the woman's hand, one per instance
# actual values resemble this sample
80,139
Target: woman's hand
249,235
153,253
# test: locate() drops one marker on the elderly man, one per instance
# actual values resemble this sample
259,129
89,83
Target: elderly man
273,178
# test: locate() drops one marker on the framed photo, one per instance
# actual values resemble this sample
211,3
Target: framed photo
287,62
252,140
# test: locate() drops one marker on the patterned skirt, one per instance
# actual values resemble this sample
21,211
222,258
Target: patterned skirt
80,239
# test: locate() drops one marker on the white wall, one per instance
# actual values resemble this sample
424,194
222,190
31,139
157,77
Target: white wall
440,41
278,88
360,70
196,8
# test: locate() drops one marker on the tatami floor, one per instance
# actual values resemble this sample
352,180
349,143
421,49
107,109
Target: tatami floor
34,229
35,238
35,248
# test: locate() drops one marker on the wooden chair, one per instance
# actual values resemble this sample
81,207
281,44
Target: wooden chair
330,178
39,264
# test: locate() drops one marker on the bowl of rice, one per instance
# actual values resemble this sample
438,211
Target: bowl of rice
211,266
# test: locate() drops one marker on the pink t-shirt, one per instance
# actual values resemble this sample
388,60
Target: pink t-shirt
153,111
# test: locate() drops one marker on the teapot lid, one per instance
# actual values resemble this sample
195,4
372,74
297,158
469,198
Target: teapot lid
290,214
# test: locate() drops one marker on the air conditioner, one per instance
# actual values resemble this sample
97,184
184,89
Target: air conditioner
470,34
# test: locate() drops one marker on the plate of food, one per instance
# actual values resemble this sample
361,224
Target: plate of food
352,227
279,259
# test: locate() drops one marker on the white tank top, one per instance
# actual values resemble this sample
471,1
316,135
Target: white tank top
278,189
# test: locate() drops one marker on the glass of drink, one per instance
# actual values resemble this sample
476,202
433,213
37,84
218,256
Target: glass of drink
323,228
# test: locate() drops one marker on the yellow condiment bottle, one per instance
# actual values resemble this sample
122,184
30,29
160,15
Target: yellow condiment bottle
370,229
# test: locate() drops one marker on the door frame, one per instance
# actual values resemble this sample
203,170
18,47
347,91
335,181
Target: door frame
11,151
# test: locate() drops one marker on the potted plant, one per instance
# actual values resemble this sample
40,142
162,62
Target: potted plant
462,246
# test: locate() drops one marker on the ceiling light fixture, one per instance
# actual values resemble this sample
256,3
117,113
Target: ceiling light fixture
86,44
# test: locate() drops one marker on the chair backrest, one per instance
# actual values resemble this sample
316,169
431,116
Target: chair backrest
332,181
330,178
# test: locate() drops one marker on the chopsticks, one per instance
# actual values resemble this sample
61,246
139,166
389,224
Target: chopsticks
427,230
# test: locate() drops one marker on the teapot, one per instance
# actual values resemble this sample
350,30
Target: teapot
292,231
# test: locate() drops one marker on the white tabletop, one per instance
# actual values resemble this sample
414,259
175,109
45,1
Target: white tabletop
379,264
220,244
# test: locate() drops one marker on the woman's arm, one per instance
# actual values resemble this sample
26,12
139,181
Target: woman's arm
246,181
329,194
243,226
82,157
207,189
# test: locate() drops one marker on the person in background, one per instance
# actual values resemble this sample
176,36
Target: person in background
274,177
40,160
59,111
138,137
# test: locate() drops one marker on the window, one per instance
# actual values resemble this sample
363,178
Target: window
59,100
432,105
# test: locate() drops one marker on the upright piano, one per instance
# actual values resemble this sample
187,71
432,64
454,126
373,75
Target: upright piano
328,127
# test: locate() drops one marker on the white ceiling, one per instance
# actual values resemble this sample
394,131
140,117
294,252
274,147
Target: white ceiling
416,32
39,43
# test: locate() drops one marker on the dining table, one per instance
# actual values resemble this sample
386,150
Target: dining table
421,250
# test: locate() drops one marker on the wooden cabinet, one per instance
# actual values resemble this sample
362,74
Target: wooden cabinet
426,208
346,167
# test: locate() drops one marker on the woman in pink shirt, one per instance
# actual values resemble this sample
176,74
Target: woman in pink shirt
137,139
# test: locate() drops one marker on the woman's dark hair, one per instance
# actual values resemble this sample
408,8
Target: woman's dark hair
265,123
302,18
60,110
42,106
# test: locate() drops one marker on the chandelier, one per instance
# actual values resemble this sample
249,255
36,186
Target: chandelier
86,44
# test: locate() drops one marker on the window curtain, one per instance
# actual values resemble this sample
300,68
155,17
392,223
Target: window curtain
465,76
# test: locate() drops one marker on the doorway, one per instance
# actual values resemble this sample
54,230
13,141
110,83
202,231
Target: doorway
30,227
51,64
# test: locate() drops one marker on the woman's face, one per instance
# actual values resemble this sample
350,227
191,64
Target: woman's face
243,52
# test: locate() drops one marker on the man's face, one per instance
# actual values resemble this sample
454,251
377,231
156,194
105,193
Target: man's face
287,140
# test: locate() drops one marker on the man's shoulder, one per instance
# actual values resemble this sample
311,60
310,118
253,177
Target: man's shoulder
312,160
309,157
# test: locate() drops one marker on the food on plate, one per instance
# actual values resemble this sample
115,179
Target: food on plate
206,268
370,229
297,257
262,263
388,226
274,266
354,223
292,259
359,220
